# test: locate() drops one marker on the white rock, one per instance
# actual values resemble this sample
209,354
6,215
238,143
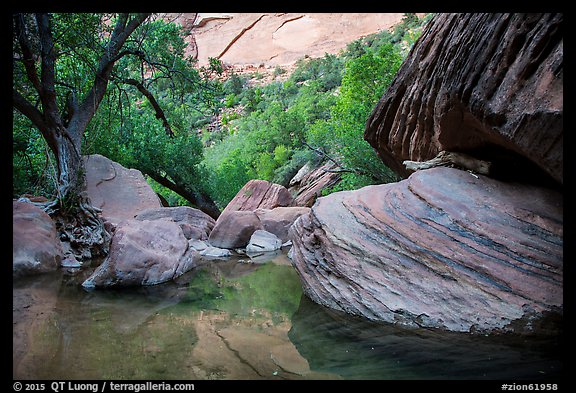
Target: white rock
215,252
262,241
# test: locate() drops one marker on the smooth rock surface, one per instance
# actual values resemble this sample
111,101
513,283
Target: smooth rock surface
279,220
195,224
35,245
233,229
259,194
441,249
144,253
263,241
121,193
477,83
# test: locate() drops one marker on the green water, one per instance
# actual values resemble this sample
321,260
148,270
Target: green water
239,320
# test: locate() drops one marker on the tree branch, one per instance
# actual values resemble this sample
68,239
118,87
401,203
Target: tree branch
159,112
203,202
121,32
47,72
28,56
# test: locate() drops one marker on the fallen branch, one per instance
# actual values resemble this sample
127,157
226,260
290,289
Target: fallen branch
445,158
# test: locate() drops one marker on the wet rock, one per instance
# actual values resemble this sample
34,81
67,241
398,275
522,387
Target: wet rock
121,193
194,223
35,244
215,252
233,229
263,241
441,249
144,253
477,83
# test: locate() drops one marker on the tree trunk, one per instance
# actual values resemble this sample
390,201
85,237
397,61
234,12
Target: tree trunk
200,200
78,223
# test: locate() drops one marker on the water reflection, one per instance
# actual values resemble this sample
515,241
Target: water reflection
355,348
237,319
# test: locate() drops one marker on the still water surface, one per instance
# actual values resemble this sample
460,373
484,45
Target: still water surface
238,320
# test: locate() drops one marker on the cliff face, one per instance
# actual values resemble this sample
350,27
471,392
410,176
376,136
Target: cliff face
277,38
475,83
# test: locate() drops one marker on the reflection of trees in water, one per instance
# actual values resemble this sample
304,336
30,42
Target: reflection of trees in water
356,348
152,332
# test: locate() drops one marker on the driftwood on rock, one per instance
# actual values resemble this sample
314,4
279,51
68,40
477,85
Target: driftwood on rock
445,158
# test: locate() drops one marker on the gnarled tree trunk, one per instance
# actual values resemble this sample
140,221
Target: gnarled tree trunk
76,219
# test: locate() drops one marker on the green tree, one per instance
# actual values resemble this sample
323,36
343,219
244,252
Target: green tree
64,66
340,137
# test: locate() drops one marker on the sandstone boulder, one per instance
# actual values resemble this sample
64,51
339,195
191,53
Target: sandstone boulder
279,220
487,84
307,187
259,194
194,223
121,193
35,245
442,249
144,252
233,229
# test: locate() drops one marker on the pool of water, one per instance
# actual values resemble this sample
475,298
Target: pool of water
236,319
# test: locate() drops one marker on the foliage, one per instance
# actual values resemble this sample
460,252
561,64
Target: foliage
227,132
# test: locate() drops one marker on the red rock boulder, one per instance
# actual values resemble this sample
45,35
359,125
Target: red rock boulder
442,249
35,244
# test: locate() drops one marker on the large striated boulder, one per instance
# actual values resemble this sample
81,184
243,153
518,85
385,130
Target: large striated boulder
35,245
121,193
489,84
442,249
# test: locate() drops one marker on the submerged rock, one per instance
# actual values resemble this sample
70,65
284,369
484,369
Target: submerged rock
35,244
441,249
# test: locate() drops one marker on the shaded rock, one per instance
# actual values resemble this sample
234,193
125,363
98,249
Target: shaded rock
121,193
441,249
259,194
198,245
307,187
215,252
233,229
280,219
144,253
487,84
35,245
263,241
194,223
